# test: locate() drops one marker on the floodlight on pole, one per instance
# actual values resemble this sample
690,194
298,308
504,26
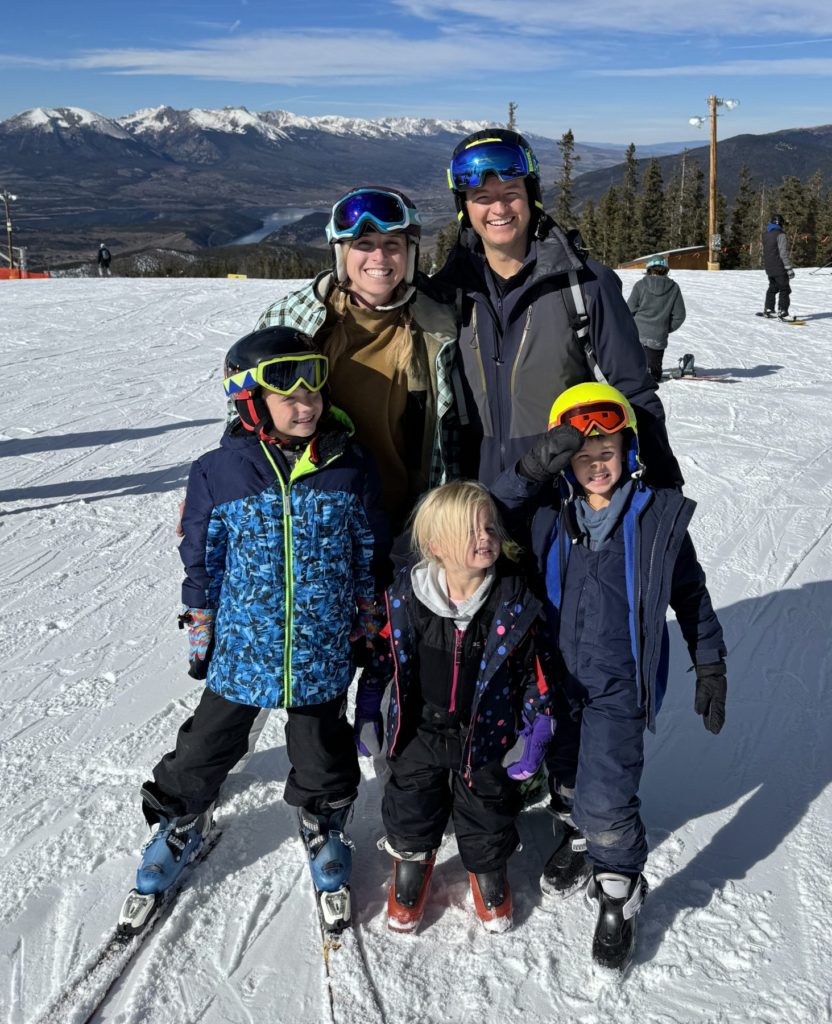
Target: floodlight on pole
714,241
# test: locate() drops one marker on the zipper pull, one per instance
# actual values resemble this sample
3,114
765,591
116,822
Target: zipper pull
287,504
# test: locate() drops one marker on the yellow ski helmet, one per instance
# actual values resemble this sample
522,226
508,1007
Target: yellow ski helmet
594,409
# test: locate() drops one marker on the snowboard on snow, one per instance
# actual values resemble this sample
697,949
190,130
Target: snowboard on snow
793,321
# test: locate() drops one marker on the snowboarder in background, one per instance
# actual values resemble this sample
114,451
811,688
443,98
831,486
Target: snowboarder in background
612,553
465,685
284,532
656,303
536,316
104,258
778,265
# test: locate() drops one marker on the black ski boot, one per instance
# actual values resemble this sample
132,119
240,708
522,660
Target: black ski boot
409,888
619,899
567,869
492,899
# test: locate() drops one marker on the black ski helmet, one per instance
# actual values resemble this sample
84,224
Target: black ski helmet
777,218
532,179
247,353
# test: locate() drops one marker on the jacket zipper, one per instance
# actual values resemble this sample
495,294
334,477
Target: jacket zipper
458,638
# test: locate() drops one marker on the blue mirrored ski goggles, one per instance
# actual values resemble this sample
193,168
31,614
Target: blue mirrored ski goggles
369,208
490,156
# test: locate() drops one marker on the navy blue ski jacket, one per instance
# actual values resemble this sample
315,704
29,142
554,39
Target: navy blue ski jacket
519,350
660,570
284,555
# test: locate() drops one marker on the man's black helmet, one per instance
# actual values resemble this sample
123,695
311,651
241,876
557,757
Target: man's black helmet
504,142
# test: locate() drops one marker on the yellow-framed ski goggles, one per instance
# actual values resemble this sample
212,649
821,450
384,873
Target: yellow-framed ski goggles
282,375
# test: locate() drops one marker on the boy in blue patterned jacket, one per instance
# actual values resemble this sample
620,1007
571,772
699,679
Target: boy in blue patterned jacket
284,539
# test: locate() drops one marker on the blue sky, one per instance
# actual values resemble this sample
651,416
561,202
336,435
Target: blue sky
611,71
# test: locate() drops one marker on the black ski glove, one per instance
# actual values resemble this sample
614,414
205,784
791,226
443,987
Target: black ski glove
711,691
551,454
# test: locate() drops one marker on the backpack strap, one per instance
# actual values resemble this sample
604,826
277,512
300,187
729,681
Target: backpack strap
573,296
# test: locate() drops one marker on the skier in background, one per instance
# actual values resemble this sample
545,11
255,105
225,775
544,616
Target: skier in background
612,553
104,258
284,537
656,303
778,265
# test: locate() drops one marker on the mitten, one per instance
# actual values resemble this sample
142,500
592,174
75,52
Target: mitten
368,728
790,274
711,690
200,623
534,738
369,618
551,454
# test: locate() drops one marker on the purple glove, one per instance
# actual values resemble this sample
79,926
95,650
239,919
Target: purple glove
200,623
368,727
535,738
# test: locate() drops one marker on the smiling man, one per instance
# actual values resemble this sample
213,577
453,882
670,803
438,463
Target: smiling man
536,317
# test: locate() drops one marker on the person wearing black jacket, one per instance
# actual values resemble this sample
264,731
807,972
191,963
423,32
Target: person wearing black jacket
535,316
778,266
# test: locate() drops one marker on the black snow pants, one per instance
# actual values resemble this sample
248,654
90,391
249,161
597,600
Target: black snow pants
319,742
426,789
655,357
778,283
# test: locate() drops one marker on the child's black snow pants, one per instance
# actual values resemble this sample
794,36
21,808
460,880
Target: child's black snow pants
319,742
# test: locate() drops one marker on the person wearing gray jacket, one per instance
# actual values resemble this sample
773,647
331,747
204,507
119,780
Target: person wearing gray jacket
778,267
658,307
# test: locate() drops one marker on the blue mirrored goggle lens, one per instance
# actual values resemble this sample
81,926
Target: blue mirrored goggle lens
385,209
470,167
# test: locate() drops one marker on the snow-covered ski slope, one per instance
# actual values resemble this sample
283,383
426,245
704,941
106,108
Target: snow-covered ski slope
112,387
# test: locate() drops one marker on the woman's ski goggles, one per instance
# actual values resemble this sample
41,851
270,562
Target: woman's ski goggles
283,375
490,156
606,417
385,211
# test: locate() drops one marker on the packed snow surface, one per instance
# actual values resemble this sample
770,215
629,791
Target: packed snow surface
113,387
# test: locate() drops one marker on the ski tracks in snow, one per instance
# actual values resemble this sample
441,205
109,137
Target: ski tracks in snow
93,461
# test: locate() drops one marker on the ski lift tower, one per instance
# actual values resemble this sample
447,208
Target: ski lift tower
7,197
714,240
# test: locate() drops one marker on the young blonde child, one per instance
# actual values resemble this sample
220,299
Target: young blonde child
465,686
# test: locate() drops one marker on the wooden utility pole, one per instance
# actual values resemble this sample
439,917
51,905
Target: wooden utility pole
713,242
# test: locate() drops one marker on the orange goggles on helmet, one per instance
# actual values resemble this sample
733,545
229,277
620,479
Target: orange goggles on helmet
607,417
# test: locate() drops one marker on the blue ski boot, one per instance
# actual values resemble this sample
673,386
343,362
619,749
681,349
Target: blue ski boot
170,849
330,861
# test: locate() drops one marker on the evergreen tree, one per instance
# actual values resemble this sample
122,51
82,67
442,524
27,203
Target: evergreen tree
512,116
445,241
627,212
589,227
743,225
652,231
563,205
608,242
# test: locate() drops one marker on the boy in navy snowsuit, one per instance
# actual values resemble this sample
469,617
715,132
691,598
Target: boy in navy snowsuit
612,554
465,687
284,537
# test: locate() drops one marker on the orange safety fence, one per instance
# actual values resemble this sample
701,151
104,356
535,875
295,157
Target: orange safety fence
6,274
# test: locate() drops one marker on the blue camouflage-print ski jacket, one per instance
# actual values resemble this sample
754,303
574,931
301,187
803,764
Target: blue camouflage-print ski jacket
284,557
661,571
509,679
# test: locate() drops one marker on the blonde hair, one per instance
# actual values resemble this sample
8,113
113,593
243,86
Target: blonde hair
446,515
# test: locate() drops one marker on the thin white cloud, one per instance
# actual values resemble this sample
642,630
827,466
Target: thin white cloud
298,56
733,17
741,68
